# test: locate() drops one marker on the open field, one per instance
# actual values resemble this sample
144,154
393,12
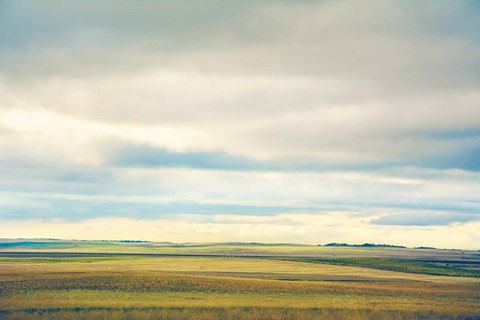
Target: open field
464,259
248,249
230,287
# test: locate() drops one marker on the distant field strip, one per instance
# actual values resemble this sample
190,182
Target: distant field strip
394,265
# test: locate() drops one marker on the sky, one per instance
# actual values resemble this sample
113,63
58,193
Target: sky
254,121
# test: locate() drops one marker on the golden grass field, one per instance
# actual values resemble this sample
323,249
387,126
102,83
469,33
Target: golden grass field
231,249
225,288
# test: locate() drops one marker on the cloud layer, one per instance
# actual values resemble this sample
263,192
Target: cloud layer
149,110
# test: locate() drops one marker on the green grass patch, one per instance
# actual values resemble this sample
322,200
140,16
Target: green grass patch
393,265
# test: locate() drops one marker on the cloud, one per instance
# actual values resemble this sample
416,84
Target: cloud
314,81
426,219
24,207
242,106
145,156
314,37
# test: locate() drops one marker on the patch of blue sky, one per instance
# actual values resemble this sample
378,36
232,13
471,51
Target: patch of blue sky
147,156
426,219
463,157
453,134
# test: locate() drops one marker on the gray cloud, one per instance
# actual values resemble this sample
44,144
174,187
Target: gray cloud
426,219
323,80
45,207
146,156
315,37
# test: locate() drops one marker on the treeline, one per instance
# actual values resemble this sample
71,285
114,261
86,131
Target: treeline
364,245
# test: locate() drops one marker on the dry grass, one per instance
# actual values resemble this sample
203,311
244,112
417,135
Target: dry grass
209,265
243,249
232,314
209,288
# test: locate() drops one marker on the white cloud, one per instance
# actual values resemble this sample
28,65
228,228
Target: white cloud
326,103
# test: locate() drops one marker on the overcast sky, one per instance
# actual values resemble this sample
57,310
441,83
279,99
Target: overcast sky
217,120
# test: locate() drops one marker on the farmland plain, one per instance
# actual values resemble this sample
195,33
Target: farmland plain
105,280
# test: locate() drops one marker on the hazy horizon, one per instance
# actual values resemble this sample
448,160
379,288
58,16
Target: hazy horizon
241,121
19,243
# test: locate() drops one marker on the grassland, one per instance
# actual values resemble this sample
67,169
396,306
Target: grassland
226,287
395,265
246,249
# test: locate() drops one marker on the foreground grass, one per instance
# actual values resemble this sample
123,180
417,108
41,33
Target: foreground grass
228,314
393,265
211,288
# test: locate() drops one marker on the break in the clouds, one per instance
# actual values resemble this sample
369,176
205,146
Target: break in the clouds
288,114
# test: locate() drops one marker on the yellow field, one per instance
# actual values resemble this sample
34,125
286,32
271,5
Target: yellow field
219,287
246,249
238,267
